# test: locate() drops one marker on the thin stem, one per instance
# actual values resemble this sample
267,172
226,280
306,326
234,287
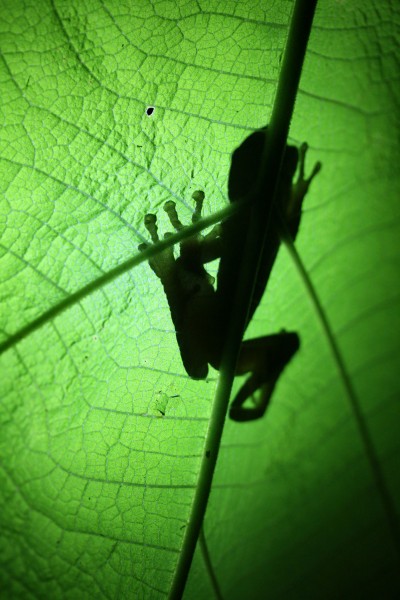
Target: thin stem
106,278
366,439
209,566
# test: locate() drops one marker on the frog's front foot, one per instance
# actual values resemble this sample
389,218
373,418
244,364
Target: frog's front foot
170,209
298,192
192,249
300,187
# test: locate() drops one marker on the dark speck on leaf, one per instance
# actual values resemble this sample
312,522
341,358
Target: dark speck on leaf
149,110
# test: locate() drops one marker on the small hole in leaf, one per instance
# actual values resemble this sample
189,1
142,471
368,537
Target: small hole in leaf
150,110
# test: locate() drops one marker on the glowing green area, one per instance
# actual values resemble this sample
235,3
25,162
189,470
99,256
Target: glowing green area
96,485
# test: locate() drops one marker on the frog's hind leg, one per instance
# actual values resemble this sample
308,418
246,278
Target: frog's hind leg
265,358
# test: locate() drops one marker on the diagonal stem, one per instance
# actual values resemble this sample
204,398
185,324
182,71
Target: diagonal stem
378,477
292,65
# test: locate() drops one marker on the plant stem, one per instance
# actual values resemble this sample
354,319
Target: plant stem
278,128
378,476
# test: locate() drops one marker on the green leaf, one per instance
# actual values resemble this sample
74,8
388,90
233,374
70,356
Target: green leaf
96,485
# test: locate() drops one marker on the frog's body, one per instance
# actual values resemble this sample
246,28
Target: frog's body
201,313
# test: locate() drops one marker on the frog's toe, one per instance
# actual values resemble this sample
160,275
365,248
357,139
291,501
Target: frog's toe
198,197
169,205
316,169
150,222
142,247
170,209
302,159
303,148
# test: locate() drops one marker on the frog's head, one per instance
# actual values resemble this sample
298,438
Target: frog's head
289,164
246,164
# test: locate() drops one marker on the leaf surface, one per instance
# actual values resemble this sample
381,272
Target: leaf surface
96,484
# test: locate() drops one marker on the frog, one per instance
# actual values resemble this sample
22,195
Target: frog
200,306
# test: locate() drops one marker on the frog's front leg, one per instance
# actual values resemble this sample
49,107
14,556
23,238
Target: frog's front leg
167,270
298,192
187,285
